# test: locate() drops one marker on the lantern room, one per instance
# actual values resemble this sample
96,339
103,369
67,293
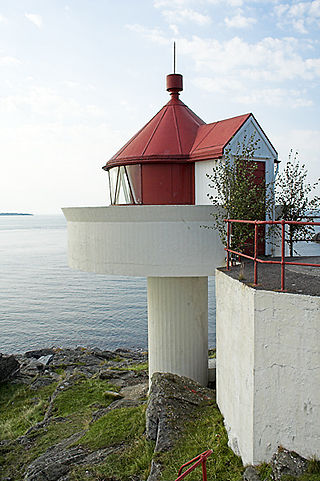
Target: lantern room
166,162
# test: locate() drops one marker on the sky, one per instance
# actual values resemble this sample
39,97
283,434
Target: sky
78,78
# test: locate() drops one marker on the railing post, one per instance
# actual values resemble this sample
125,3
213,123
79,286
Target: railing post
204,470
283,225
255,280
228,245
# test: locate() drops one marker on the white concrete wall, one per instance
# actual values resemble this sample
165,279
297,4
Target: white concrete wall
275,363
165,241
235,360
178,326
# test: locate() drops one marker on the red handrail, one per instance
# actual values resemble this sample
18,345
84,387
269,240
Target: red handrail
201,459
255,258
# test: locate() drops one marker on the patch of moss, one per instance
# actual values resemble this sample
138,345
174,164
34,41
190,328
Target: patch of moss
118,426
204,431
81,395
21,407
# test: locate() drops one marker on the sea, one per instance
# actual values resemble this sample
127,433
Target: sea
44,303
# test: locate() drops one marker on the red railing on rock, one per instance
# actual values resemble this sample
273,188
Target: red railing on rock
255,258
201,459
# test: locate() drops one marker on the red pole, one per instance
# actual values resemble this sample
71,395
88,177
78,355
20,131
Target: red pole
283,225
228,245
204,470
255,281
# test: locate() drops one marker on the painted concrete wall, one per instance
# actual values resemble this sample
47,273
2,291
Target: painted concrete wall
165,241
235,361
273,361
178,326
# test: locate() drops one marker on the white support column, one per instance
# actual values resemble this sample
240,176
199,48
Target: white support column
178,326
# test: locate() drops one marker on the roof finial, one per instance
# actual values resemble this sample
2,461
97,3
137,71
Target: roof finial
174,80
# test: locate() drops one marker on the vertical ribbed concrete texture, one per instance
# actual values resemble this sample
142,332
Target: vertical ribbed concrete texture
178,326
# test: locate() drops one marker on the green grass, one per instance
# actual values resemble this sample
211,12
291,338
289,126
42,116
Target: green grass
123,427
143,366
81,395
14,458
204,431
264,471
118,426
21,407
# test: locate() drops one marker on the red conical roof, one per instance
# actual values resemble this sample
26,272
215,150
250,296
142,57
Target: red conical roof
168,136
176,134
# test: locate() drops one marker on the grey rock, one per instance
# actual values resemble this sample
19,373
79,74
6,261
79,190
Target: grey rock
54,464
45,359
9,367
41,382
287,462
251,474
105,355
155,471
171,401
39,353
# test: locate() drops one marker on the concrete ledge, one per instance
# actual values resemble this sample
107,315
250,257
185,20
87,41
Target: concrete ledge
149,241
268,369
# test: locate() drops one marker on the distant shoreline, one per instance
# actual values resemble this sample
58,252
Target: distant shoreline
13,213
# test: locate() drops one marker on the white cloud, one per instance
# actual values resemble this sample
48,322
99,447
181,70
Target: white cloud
172,3
186,14
3,19
289,98
232,3
6,61
259,69
300,15
49,104
270,59
306,143
239,21
154,34
35,19
174,29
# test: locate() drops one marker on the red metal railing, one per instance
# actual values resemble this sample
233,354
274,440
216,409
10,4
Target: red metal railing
255,258
201,459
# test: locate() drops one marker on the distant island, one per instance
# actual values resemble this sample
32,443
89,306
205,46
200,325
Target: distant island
13,213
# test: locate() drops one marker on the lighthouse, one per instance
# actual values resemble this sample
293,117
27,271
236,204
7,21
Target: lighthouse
156,225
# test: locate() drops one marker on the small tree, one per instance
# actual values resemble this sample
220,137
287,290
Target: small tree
239,194
293,196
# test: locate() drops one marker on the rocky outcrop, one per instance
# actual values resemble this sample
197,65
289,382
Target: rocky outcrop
172,398
9,367
251,474
122,369
283,463
286,462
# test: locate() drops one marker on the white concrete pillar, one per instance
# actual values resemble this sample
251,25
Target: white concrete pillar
178,326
